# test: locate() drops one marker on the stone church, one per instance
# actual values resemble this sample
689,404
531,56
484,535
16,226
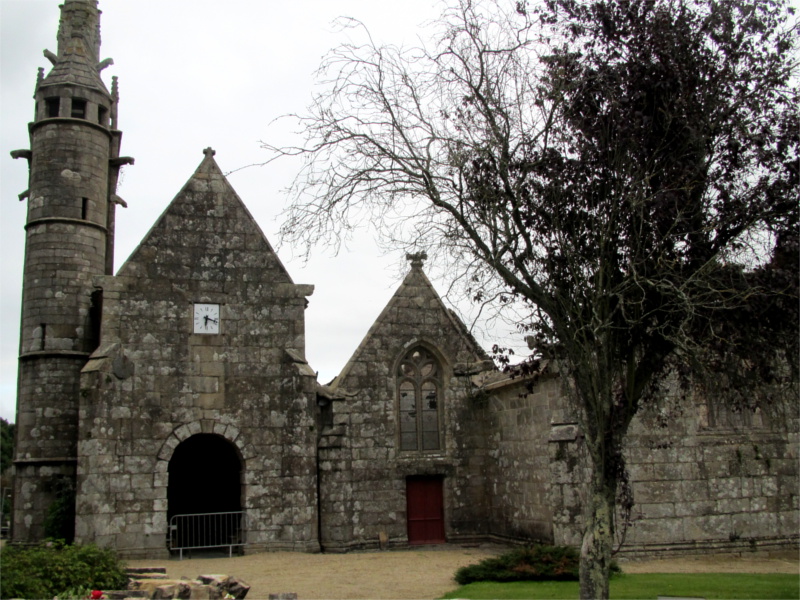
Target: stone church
175,392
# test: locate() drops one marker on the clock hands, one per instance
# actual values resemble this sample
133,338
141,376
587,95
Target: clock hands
209,320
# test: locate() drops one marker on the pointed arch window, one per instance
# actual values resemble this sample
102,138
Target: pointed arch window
419,387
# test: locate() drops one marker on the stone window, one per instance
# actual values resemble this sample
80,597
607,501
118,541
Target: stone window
78,109
51,107
102,116
95,320
419,388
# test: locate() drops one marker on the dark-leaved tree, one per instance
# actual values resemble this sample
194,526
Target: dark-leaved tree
6,444
627,169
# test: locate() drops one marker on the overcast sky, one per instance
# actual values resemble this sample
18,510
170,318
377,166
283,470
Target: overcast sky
192,74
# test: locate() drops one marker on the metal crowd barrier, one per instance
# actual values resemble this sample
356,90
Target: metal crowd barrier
207,530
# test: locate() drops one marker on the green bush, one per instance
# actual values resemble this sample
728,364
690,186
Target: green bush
532,563
76,593
52,568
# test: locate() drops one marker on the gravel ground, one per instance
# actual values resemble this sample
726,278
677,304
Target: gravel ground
425,572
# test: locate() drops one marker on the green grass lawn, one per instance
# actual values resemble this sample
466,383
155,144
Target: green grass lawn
648,585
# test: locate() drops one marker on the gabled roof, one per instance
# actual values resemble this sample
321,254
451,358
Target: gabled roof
207,215
415,294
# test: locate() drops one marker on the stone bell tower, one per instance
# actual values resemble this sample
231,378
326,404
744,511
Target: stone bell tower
73,164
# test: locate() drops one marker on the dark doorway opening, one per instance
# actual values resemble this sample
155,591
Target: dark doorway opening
205,477
425,510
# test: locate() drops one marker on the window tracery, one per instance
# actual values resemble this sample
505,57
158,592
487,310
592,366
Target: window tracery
419,386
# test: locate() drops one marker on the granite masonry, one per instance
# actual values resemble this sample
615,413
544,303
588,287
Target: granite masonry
179,386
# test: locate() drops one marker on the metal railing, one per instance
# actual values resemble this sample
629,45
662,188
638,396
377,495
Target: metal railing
207,530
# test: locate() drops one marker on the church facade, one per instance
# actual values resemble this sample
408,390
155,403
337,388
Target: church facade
178,385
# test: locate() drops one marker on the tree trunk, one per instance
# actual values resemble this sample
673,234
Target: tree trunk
598,537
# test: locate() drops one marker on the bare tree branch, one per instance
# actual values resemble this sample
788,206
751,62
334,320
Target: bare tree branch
606,164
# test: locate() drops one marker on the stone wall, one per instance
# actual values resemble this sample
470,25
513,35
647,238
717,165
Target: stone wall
155,383
363,471
698,483
518,477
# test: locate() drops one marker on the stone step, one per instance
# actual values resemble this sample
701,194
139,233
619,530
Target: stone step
138,570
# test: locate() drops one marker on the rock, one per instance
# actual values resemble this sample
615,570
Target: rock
227,585
215,580
161,589
237,588
205,587
201,591
149,585
163,592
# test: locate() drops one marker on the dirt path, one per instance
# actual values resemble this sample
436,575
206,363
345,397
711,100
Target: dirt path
425,573
406,574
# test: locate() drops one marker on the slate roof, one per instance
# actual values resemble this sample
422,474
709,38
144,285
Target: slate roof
76,70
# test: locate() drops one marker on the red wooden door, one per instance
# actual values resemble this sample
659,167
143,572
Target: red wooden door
425,506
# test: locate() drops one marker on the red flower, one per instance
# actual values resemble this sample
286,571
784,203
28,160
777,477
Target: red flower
96,595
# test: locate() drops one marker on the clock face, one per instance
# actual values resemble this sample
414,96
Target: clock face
206,318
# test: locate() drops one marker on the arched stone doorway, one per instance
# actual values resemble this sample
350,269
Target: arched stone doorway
205,478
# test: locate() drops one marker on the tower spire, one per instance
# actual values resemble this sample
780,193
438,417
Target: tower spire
79,29
78,58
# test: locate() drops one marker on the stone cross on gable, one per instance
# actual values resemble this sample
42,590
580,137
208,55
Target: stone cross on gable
417,259
209,152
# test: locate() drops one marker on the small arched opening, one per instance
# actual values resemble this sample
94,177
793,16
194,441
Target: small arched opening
204,493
